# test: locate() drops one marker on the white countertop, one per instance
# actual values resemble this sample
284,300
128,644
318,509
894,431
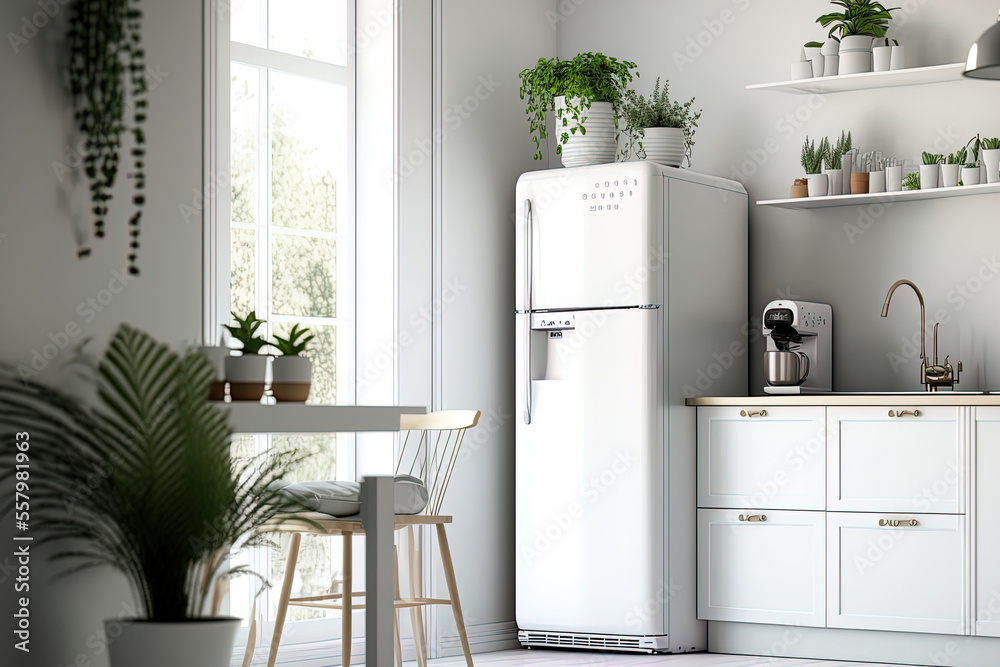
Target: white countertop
874,398
248,417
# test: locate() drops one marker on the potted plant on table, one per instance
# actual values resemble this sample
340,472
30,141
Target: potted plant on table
291,373
144,483
857,26
991,158
930,170
585,94
658,129
247,373
812,161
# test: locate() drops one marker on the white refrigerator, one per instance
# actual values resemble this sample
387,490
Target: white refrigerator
631,295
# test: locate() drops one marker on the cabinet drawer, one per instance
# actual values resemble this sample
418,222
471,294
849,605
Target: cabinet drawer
774,460
768,571
910,578
882,463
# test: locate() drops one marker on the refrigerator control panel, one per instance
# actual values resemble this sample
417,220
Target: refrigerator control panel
553,321
610,194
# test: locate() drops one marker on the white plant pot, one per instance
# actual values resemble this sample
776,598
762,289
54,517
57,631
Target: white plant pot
247,375
876,181
817,60
853,43
291,379
970,175
802,70
819,185
898,58
831,65
831,47
664,145
894,178
949,175
855,62
991,159
600,143
881,58
929,176
194,643
835,183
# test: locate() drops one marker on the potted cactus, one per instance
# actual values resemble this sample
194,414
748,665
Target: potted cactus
291,373
834,163
247,372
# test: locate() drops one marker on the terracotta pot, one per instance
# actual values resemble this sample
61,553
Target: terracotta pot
859,183
800,188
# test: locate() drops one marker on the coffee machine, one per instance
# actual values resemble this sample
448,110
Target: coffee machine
799,356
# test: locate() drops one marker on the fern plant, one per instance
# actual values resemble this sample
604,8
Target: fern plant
657,110
587,78
813,156
860,17
143,482
835,158
245,332
295,344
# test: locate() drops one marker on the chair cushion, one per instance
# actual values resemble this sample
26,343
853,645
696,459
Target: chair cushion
344,498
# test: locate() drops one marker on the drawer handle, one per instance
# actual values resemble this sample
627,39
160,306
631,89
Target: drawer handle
904,413
753,413
892,523
754,517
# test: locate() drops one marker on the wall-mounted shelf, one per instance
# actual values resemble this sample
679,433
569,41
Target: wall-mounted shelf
911,76
300,418
881,197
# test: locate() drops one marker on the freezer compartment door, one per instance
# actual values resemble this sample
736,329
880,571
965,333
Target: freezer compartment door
594,239
589,511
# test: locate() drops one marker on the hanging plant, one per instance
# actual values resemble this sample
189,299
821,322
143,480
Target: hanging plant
107,79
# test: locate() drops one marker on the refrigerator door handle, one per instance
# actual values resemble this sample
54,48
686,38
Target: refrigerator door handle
528,261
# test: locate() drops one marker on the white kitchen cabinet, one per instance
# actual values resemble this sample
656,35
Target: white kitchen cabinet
909,577
764,458
896,459
762,566
988,522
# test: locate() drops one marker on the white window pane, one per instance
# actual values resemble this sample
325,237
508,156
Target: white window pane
244,144
304,276
311,28
245,21
242,270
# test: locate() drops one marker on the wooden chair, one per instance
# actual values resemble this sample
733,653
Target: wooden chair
431,456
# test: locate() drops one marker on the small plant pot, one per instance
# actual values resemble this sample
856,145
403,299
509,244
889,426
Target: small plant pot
217,356
949,175
802,70
836,181
818,185
991,159
881,58
970,175
818,61
192,643
859,183
291,379
831,65
898,58
855,62
664,145
894,178
800,189
600,143
831,47
929,176
876,181
246,375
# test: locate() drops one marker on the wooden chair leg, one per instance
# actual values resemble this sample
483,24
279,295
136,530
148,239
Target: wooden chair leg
398,645
416,591
251,636
286,592
348,600
456,606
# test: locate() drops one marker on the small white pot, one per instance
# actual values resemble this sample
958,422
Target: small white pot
664,145
831,65
970,175
835,184
991,159
876,181
831,47
881,58
855,62
898,58
599,145
949,175
929,176
894,178
802,70
195,643
291,379
856,43
247,375
819,185
817,61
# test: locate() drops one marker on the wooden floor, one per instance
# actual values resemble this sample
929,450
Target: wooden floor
547,658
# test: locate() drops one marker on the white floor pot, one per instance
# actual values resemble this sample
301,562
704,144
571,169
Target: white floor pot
195,643
949,175
819,185
598,145
898,58
835,181
929,176
664,145
991,159
970,175
291,379
246,375
881,58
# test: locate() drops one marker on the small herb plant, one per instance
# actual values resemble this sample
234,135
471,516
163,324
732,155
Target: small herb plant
912,181
834,159
245,332
657,110
587,78
295,344
958,157
933,158
860,17
991,144
812,156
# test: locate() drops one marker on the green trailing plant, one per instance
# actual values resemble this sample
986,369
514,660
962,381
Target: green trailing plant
932,158
912,181
245,331
587,78
143,481
992,143
860,17
107,81
835,156
657,110
813,156
295,344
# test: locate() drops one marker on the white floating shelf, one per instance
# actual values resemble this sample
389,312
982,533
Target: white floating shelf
881,197
301,418
911,76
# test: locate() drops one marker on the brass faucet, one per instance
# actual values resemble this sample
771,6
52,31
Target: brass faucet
935,375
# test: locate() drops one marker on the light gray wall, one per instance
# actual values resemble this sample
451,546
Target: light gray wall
712,50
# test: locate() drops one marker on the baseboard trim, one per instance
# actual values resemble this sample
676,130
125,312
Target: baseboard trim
483,638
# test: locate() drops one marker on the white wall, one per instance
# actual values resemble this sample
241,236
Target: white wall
712,49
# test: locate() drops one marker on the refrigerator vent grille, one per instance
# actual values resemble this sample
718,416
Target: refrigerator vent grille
571,640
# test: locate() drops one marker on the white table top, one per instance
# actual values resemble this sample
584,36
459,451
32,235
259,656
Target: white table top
301,418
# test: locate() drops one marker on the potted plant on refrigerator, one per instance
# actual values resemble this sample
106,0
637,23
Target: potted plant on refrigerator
812,161
658,129
247,373
585,95
144,482
291,373
990,154
857,26
950,168
930,170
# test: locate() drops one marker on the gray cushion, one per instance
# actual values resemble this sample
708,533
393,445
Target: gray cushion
342,499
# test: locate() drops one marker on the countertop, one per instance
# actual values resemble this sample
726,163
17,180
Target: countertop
835,398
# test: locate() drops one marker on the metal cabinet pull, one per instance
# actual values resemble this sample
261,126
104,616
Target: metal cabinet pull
753,517
753,413
904,413
892,523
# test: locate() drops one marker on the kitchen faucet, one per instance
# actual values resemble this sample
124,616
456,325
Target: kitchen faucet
936,375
